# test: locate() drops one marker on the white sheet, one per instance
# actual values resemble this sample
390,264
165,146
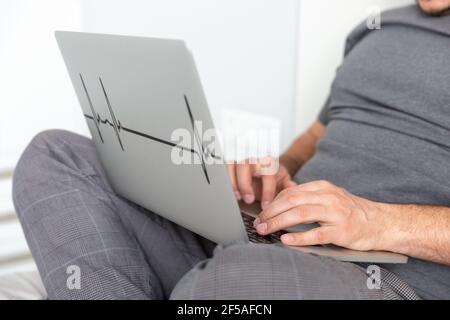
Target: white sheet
22,286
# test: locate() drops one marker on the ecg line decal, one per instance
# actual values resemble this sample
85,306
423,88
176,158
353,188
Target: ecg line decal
118,127
115,123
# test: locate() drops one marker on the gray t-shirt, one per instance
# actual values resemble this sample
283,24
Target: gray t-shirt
388,124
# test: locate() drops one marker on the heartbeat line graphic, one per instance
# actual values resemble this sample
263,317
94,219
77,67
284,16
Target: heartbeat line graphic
118,127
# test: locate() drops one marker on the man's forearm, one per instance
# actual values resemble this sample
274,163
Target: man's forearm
302,149
417,231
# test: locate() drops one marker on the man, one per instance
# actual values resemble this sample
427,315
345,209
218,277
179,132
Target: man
382,137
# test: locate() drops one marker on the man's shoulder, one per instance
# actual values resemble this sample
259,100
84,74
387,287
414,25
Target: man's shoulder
407,16
408,12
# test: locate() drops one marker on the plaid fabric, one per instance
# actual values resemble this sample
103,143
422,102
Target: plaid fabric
255,271
398,289
71,217
393,287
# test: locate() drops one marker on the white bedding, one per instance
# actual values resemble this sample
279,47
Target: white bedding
22,286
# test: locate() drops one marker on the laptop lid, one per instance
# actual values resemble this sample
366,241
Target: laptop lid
145,108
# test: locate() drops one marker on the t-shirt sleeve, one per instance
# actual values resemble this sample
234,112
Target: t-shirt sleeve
352,40
323,115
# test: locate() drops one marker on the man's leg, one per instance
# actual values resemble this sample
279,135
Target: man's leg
72,219
250,271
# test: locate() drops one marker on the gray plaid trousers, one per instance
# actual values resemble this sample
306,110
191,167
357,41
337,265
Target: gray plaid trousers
72,218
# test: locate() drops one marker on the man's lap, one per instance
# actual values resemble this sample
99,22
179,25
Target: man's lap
256,271
71,216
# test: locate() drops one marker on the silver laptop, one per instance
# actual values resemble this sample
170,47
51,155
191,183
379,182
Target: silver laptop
138,95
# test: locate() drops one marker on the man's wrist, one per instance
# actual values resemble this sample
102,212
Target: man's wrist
391,235
291,164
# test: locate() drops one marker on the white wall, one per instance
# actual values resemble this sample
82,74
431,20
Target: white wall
323,27
244,49
35,91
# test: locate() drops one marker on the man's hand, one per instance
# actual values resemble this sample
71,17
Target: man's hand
252,181
345,219
259,180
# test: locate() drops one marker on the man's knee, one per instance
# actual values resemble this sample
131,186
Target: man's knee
247,271
241,271
53,144
42,144
47,137
55,138
45,159
45,144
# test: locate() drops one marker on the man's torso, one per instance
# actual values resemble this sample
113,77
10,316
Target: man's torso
388,124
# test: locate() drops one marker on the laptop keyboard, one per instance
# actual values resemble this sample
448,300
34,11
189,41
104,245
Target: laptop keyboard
254,237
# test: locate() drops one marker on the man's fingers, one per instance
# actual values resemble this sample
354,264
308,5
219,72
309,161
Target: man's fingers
232,174
244,182
269,188
316,186
289,199
287,183
299,215
316,236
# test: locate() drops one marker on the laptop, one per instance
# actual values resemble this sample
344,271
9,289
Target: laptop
147,113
